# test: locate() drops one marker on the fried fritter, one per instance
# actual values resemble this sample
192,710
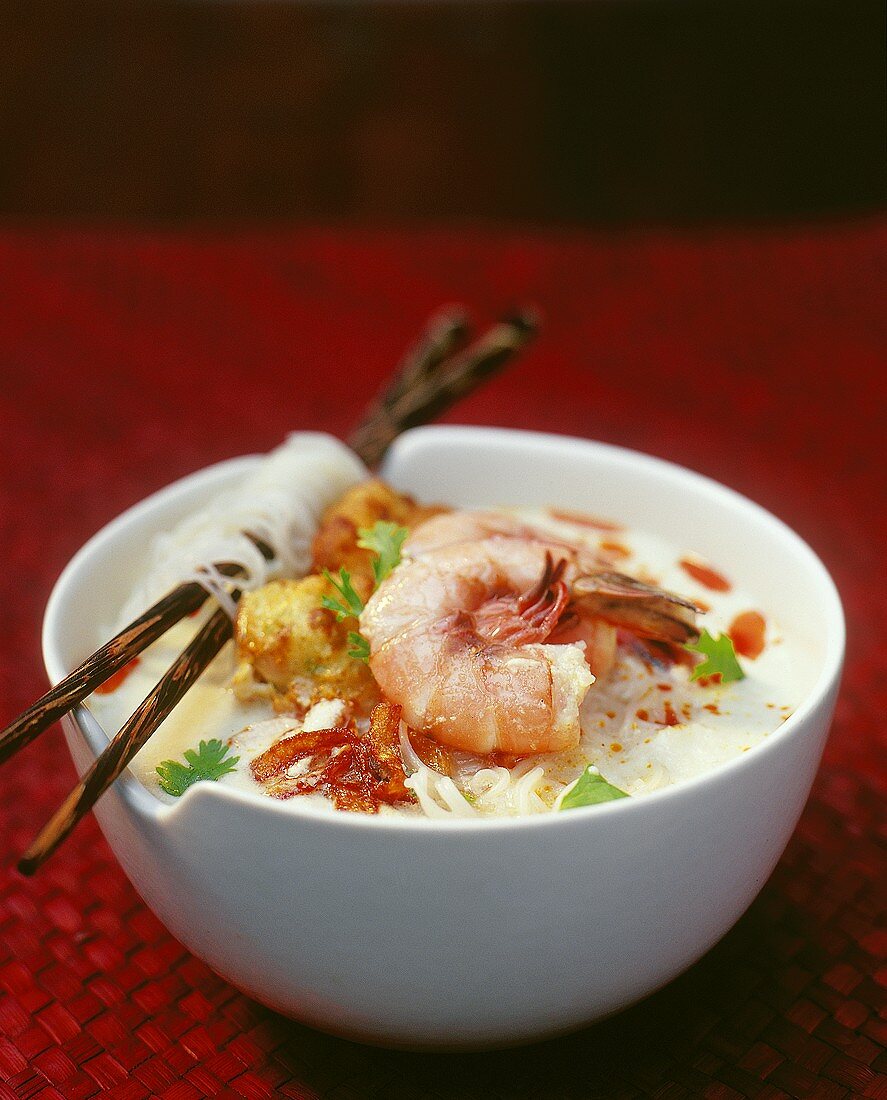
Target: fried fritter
288,644
287,639
335,544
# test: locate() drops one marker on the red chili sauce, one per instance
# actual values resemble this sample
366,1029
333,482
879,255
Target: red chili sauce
114,682
580,519
747,633
705,575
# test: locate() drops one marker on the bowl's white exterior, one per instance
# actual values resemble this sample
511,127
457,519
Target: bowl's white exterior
453,934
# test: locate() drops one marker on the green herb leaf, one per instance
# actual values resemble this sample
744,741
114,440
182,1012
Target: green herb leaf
720,658
349,604
386,539
590,789
360,647
209,761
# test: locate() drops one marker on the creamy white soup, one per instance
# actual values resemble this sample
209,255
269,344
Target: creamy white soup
642,721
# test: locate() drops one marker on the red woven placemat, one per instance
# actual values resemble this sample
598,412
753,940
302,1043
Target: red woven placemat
128,359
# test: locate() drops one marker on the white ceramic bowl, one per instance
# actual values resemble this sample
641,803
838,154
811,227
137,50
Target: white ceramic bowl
419,933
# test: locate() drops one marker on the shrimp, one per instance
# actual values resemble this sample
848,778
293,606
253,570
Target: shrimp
449,528
455,637
580,623
466,526
463,526
458,634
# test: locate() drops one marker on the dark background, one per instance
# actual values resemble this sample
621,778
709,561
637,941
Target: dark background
600,113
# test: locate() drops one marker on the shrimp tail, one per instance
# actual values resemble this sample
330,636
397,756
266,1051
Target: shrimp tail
530,617
641,608
544,603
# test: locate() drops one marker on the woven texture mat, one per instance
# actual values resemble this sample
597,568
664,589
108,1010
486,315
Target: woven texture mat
127,360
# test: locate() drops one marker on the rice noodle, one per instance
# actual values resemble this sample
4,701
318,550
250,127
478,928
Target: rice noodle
506,790
279,503
501,790
438,795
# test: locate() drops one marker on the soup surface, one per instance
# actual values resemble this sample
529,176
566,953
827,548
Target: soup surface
643,724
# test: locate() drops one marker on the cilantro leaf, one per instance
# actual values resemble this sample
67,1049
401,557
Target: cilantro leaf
386,539
720,658
360,647
349,605
209,761
590,789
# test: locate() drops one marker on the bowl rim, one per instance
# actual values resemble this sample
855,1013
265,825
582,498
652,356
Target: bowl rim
141,800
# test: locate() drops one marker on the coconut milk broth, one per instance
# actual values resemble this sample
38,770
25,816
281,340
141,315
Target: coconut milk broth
645,727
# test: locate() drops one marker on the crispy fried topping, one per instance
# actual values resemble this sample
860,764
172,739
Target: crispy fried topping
356,772
431,753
